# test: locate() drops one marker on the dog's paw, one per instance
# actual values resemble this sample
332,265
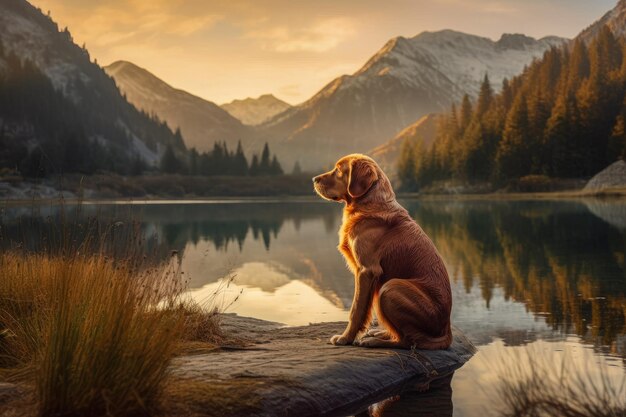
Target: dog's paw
367,341
378,333
340,340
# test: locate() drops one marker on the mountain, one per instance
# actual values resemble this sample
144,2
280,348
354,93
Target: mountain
200,121
407,79
614,19
564,117
61,110
387,154
254,111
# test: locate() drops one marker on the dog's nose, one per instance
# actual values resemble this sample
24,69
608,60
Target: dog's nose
316,179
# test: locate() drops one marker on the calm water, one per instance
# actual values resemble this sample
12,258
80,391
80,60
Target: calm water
538,278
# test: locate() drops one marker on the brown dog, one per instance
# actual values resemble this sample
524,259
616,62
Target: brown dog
397,269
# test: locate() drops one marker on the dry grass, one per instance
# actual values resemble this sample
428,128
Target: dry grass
534,386
88,333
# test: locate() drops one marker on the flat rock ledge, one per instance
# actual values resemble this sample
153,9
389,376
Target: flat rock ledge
295,371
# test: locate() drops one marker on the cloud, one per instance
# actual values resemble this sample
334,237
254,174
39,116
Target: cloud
321,36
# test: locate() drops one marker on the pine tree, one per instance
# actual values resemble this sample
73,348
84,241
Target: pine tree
407,171
264,166
485,98
194,163
513,155
254,166
297,170
169,162
240,162
466,112
275,168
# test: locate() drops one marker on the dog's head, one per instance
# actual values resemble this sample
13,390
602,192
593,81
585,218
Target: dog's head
352,178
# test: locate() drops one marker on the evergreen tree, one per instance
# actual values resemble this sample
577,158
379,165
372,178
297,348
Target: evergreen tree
297,170
275,168
194,162
169,162
254,166
406,166
264,166
513,155
485,98
240,163
466,112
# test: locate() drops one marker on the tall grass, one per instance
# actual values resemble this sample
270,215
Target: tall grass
533,385
94,334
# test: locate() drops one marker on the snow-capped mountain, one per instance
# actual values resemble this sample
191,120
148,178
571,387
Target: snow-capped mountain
102,113
201,122
407,79
254,111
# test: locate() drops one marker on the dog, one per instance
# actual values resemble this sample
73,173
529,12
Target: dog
398,272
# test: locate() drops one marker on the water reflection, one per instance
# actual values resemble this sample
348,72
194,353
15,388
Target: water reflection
526,274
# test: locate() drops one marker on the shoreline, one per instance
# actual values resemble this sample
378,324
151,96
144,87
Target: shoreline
601,194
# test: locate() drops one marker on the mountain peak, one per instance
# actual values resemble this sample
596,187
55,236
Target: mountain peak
254,111
514,41
201,122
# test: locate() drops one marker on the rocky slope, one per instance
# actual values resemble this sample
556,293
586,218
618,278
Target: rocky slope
407,79
615,19
101,112
254,111
201,122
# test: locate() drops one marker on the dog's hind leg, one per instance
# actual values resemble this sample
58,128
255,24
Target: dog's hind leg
410,316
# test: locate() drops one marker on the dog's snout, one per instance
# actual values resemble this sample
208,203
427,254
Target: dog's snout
317,179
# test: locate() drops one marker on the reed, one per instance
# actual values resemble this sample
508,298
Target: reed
93,334
533,385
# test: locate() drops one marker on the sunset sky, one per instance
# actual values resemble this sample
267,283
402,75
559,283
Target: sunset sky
222,50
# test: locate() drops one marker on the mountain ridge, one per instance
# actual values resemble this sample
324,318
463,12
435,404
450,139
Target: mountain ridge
254,111
404,80
200,121
103,117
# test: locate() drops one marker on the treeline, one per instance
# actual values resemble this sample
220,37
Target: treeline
564,117
221,161
43,132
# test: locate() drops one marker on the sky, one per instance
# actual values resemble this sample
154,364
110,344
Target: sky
229,49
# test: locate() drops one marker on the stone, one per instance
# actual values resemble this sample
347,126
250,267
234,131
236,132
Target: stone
612,176
295,371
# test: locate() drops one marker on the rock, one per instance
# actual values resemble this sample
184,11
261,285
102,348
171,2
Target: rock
295,371
612,211
612,176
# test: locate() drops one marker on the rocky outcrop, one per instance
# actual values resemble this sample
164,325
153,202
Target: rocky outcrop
612,176
295,371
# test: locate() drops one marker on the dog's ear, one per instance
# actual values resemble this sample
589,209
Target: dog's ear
362,176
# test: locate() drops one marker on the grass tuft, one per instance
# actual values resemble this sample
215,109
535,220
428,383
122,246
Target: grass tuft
535,386
86,332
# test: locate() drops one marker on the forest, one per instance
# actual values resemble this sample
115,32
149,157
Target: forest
43,132
563,117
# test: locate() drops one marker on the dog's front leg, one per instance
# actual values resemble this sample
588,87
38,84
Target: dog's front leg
360,312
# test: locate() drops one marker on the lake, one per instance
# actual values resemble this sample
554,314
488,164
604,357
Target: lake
531,280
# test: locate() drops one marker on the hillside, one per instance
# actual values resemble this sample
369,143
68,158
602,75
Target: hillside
62,112
200,121
254,111
407,79
387,154
564,117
